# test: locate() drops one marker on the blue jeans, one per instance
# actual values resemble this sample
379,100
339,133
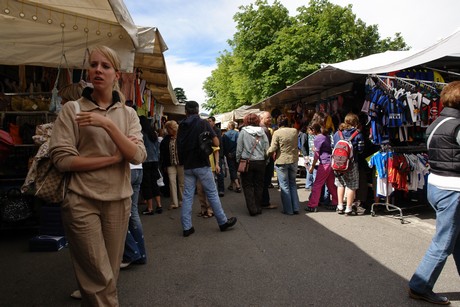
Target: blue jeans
446,239
287,174
309,178
204,174
134,243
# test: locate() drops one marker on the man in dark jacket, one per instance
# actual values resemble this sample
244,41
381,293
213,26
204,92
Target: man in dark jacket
197,167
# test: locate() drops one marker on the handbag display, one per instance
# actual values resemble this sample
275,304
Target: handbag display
243,165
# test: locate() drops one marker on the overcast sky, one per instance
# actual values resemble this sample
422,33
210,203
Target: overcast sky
196,31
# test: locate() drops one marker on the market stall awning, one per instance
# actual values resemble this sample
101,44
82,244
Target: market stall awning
34,32
444,55
174,109
153,66
38,32
234,115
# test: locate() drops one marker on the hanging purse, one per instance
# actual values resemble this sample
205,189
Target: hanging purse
160,181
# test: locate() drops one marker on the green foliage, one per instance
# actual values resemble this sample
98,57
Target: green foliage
272,50
180,94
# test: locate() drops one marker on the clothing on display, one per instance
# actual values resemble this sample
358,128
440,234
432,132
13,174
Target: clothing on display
399,171
400,111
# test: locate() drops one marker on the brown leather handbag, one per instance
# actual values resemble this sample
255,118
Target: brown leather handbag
243,165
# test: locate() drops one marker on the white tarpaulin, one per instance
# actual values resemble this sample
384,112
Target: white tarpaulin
37,32
237,114
397,60
33,32
445,55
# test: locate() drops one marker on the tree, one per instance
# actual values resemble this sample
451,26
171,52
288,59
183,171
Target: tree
272,50
180,94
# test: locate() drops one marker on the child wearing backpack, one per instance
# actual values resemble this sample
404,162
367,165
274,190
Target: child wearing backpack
324,173
343,161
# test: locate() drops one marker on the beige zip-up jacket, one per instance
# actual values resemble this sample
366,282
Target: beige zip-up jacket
69,140
284,144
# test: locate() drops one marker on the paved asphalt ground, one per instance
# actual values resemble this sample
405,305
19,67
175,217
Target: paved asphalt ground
311,259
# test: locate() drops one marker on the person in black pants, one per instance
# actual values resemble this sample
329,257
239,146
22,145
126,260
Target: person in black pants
265,121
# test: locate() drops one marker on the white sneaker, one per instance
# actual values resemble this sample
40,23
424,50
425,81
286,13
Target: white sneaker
124,265
76,295
340,209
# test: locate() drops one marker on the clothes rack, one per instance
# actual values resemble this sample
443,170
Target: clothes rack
388,206
425,82
386,148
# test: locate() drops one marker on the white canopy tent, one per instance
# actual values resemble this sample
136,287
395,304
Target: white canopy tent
38,32
332,79
235,115
34,32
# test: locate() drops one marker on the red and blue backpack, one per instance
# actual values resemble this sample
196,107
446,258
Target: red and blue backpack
342,154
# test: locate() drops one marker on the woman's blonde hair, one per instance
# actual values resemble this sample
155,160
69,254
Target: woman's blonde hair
351,121
171,124
115,61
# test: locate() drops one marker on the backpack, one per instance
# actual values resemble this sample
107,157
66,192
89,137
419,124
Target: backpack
342,154
205,141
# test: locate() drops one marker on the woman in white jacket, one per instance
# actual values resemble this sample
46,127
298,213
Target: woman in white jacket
252,145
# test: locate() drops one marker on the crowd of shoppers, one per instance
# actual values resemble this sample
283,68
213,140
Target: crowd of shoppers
113,156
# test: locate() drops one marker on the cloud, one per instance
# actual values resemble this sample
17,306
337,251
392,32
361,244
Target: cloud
421,23
189,76
193,30
196,31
